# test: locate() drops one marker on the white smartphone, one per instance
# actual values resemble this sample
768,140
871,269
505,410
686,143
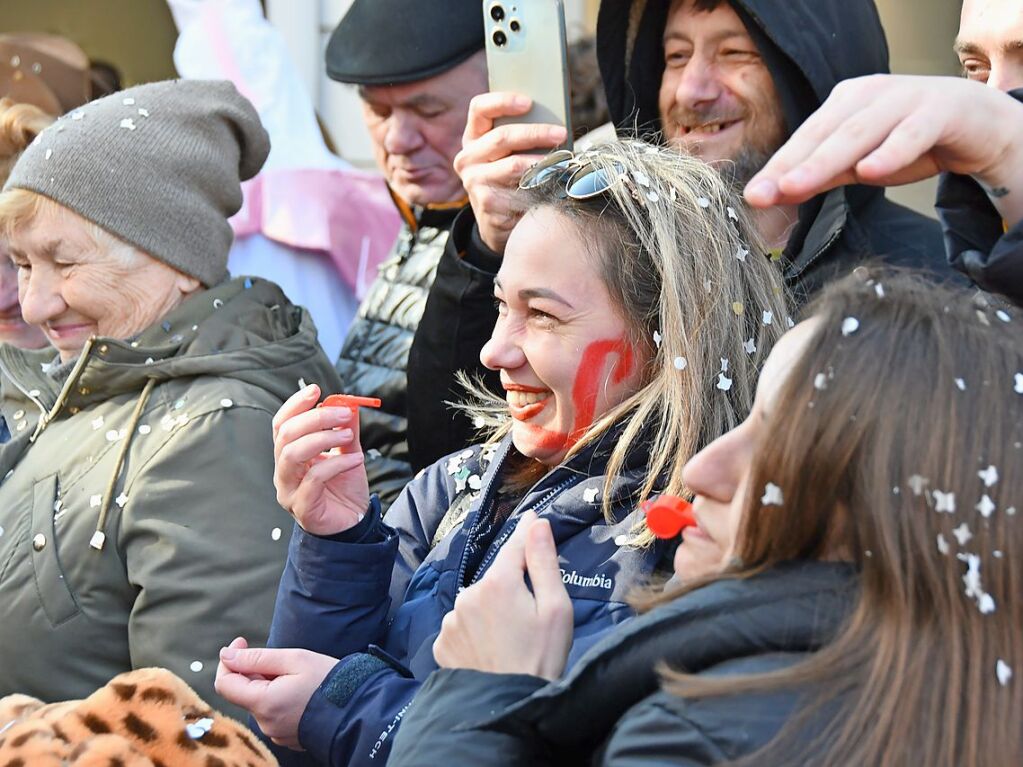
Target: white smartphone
527,53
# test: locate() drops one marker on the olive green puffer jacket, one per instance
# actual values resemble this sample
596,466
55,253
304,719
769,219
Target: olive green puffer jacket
138,519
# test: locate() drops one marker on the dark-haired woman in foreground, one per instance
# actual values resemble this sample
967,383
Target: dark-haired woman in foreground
871,609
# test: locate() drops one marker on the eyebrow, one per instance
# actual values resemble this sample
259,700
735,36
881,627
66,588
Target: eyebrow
965,47
420,100
715,38
528,293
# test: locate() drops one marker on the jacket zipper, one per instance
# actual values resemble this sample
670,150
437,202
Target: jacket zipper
496,545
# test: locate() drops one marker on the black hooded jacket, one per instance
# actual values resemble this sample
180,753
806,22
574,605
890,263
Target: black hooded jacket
809,46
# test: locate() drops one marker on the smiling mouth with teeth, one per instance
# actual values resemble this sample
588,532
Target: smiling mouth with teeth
525,403
707,129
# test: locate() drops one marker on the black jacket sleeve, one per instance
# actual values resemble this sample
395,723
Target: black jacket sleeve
458,319
975,237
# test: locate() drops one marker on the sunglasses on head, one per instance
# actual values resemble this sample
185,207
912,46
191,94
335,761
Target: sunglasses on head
581,177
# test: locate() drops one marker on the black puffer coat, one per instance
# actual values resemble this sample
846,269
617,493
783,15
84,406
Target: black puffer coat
375,354
609,709
809,46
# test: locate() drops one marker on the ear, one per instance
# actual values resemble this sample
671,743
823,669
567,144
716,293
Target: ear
186,283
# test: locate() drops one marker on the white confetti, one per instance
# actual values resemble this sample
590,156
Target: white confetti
820,381
49,153
1,531
983,318
917,484
112,435
1003,671
95,501
724,365
1003,316
143,112
724,383
961,384
658,338
226,402
652,196
749,346
790,323
944,502
217,303
275,534
621,540
768,318
740,254
641,178
989,476
703,202
974,587
1011,511
475,482
465,455
77,115
121,500
850,325
196,666
879,290
732,214
1019,383
590,494
128,101
943,546
681,363
772,495
145,429
97,423
128,123
962,534
986,507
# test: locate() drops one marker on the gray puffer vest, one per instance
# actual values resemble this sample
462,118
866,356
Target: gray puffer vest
374,357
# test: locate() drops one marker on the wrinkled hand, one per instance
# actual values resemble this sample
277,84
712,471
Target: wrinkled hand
887,130
498,626
493,160
325,492
273,685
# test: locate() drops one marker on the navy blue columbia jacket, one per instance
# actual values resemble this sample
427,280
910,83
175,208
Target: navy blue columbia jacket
375,596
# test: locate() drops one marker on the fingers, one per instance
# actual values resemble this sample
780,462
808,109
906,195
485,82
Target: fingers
897,159
506,140
487,107
266,661
308,422
512,556
299,402
292,464
545,572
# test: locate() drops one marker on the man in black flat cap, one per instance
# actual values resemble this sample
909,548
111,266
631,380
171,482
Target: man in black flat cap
417,65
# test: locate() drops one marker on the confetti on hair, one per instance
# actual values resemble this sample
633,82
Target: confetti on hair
681,363
962,534
749,346
790,323
850,325
879,290
989,476
740,254
820,382
974,586
768,318
986,507
732,215
1003,672
944,502
983,318
960,384
772,495
641,178
943,546
1019,383
724,364
738,308
1003,316
658,338
703,202
917,484
724,383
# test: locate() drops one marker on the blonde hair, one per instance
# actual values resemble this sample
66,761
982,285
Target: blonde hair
19,125
681,259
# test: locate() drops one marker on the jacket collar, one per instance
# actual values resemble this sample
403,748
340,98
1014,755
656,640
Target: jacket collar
438,216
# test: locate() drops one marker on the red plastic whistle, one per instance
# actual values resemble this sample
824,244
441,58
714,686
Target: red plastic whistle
668,515
353,403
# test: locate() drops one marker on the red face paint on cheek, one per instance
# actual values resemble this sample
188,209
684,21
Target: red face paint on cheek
594,370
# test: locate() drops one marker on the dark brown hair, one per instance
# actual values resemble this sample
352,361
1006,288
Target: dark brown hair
907,392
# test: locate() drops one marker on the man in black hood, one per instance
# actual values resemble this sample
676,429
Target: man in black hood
730,80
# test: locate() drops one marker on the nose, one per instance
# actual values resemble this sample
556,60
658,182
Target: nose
716,471
40,296
404,135
698,83
1006,76
502,351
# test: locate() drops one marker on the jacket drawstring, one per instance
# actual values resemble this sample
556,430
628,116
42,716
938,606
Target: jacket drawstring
99,537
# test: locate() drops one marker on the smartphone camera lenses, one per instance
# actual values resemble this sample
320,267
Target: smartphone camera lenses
500,39
497,12
514,25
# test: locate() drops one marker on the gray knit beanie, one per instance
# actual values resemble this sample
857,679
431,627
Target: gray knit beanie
159,165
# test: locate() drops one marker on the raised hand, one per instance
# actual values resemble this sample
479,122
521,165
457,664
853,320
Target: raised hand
498,626
493,160
325,490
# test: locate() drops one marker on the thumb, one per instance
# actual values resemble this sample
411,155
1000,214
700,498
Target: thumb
263,661
543,566
512,555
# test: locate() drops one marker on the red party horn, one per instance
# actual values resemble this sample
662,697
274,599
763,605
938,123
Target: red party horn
668,516
353,403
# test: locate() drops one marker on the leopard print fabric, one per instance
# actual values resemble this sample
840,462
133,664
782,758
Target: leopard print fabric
144,718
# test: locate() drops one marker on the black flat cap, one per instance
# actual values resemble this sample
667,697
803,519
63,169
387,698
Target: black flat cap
389,42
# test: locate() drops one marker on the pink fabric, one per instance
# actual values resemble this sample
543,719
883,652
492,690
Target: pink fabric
347,214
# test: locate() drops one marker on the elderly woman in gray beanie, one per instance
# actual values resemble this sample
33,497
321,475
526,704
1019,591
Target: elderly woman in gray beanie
138,519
